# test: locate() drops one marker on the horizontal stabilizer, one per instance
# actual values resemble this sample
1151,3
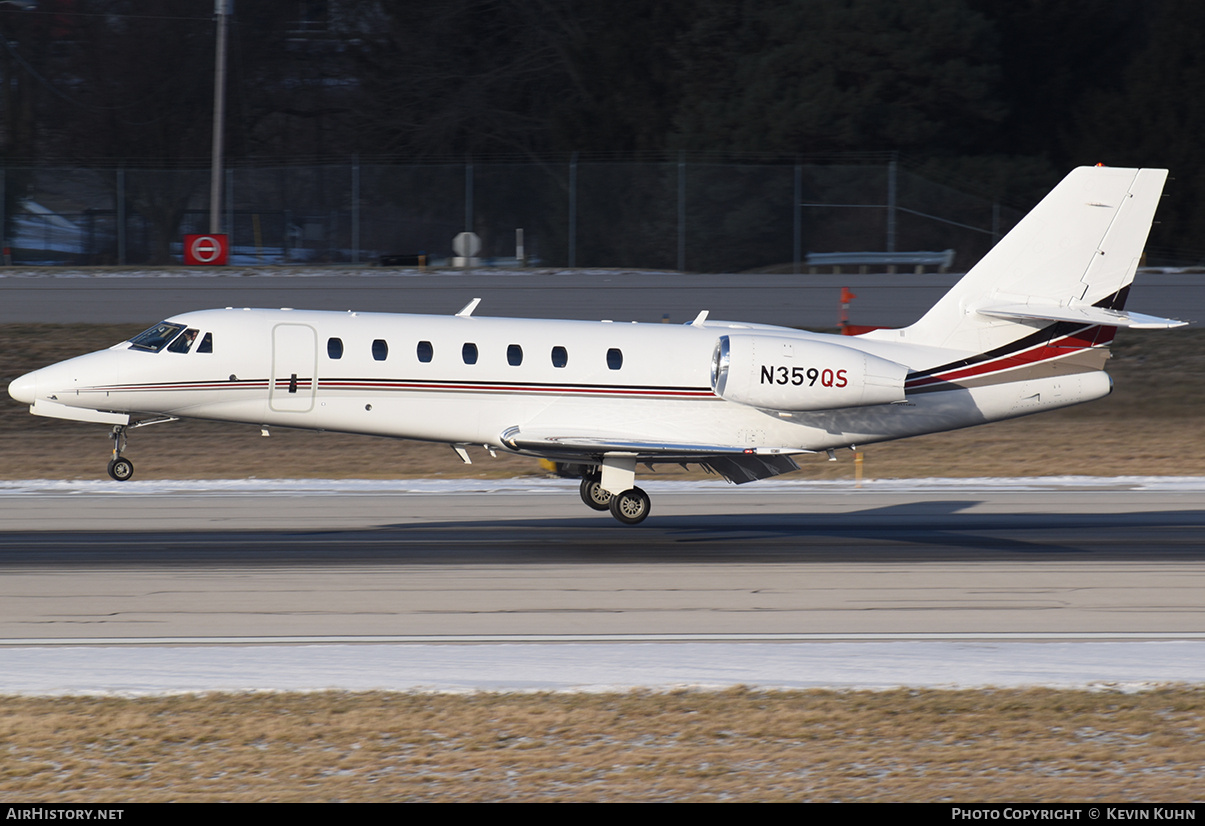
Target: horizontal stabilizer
1084,315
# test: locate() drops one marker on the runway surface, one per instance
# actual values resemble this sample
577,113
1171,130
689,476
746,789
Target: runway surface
55,295
157,587
532,560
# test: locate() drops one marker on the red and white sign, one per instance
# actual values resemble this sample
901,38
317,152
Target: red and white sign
205,250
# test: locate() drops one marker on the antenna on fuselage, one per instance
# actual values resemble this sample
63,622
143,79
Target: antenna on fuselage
468,308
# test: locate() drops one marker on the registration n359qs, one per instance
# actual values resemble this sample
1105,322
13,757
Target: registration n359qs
1026,330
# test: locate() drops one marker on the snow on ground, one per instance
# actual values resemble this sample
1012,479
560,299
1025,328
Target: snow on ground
595,667
542,484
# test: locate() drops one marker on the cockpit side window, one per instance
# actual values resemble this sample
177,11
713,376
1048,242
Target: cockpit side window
183,342
206,345
154,339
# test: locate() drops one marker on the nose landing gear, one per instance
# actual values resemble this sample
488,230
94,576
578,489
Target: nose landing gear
121,469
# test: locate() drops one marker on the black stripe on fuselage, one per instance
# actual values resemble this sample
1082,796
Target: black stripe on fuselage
1058,329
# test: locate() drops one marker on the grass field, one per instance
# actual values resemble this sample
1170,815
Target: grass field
1150,425
739,745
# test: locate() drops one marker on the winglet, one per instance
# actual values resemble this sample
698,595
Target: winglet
468,308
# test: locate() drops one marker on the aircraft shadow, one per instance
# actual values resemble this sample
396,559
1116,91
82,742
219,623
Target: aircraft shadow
911,532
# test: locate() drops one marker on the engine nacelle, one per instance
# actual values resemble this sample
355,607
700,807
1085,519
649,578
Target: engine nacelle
780,373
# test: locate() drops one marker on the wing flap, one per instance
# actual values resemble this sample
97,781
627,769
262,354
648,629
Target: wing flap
749,467
737,464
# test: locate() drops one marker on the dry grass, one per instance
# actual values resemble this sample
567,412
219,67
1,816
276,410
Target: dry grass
1032,745
1150,425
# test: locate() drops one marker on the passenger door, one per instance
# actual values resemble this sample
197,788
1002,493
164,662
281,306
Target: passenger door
294,368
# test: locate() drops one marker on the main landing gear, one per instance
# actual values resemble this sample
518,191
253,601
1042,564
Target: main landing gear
629,507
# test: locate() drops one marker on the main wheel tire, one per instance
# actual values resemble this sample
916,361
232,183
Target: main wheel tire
121,469
630,507
594,495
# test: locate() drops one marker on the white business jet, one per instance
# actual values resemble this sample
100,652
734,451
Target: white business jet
1026,330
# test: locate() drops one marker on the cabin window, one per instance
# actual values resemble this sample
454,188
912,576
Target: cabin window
614,358
560,356
334,348
514,355
380,349
469,353
154,339
183,342
425,352
206,345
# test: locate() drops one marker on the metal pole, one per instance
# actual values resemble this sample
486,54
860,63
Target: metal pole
681,212
355,209
892,173
573,210
797,251
4,250
230,208
121,216
468,197
221,10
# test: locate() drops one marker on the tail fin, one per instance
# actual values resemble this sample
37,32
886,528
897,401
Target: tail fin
1070,260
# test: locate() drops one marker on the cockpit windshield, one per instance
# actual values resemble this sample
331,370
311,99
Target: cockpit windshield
154,339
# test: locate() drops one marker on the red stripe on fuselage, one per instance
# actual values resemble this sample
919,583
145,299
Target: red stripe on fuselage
1082,339
394,385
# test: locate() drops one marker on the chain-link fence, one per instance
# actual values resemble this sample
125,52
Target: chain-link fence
703,217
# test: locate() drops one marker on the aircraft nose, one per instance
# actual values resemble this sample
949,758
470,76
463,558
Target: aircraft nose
24,388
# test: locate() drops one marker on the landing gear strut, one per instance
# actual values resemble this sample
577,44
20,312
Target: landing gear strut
121,469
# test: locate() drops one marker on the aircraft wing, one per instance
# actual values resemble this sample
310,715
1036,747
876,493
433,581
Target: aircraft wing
736,464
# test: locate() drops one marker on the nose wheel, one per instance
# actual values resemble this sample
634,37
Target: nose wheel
121,469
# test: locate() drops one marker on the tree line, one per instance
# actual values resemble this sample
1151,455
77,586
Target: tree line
996,98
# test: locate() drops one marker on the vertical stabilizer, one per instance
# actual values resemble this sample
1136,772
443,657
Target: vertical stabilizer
1077,248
